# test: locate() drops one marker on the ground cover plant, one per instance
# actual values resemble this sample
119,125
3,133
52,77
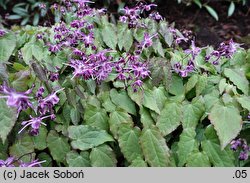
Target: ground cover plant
92,91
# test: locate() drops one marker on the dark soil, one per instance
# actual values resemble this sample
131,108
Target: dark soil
205,28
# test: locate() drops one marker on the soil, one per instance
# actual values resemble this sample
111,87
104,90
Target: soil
205,28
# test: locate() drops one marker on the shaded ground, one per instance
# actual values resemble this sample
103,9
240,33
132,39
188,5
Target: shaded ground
206,29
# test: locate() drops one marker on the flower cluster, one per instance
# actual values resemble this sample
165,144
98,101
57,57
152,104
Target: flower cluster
14,162
133,15
242,147
18,100
226,49
21,101
184,70
2,32
146,42
180,37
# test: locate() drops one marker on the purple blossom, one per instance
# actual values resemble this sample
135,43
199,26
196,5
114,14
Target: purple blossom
39,36
46,104
137,84
40,92
241,146
226,49
53,76
8,162
54,48
194,51
235,144
155,16
140,70
19,100
148,7
34,123
182,70
243,155
2,32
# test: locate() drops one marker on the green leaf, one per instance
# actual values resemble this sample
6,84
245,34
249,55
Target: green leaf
176,87
7,120
45,157
32,49
146,118
107,103
7,46
125,37
211,99
149,101
22,147
244,101
170,118
227,122
160,96
122,100
78,160
129,141
116,118
137,97
103,156
109,35
231,9
198,159
212,12
58,146
96,117
154,147
186,145
40,140
75,116
192,81
138,162
198,3
85,137
192,113
211,146
237,76
201,84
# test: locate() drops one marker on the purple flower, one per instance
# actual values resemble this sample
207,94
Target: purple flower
35,163
39,36
140,70
194,51
35,123
226,49
235,144
137,84
2,32
8,162
243,155
53,76
19,100
39,93
46,104
148,7
54,48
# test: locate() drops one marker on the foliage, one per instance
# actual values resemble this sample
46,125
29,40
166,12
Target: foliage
77,94
211,11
